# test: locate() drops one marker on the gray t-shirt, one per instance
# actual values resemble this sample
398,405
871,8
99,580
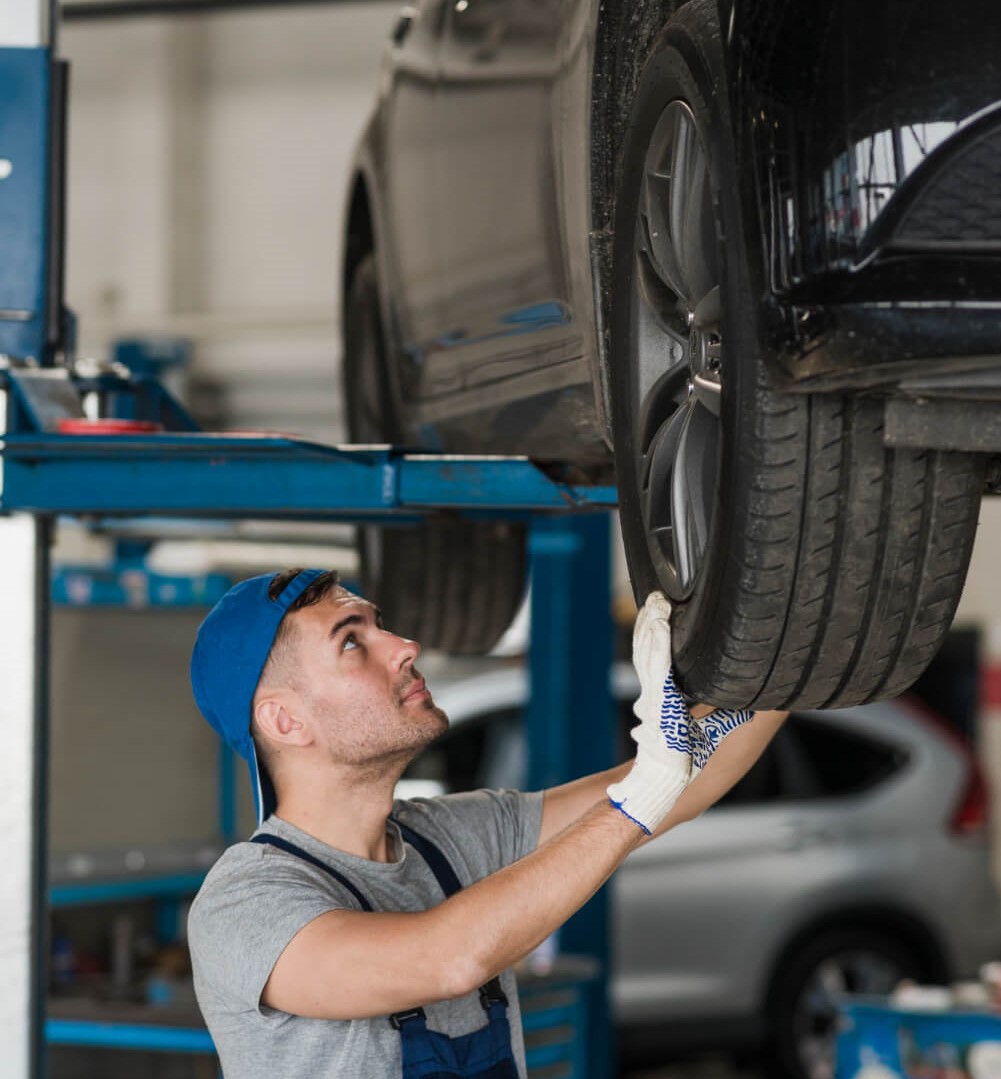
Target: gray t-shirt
256,898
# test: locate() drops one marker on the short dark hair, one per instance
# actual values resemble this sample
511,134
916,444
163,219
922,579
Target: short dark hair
316,591
313,594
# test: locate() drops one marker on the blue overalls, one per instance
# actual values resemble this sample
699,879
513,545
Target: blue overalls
483,1054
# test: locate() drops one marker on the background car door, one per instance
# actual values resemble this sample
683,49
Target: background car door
506,295
700,913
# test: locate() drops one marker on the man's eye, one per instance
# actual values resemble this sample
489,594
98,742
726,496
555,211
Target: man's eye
350,641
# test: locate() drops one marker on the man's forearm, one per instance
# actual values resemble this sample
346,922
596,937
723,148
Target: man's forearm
504,916
728,765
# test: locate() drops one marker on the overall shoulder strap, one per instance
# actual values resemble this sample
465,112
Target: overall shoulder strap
291,848
437,862
491,993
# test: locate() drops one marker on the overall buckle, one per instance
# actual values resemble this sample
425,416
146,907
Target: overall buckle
402,1017
492,993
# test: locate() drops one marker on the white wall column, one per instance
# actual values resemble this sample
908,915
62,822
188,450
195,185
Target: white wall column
23,769
24,621
25,23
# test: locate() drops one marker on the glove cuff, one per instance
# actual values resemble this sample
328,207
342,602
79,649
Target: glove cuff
648,792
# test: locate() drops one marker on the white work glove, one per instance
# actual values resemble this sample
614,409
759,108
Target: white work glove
671,746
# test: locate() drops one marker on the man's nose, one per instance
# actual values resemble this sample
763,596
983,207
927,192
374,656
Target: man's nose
406,650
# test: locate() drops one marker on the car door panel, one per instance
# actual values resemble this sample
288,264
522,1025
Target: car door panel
699,914
503,254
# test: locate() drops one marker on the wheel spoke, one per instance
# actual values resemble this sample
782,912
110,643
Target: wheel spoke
660,238
690,211
693,491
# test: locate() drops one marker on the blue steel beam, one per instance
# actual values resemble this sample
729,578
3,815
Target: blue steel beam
24,200
192,475
128,1036
121,889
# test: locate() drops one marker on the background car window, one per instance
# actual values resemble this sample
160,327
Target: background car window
811,759
844,761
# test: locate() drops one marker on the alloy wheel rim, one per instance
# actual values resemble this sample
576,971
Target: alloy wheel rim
678,354
815,1015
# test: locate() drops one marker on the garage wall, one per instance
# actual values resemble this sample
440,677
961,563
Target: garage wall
132,761
208,160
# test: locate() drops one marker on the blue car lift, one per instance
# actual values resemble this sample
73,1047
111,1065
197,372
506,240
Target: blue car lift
186,473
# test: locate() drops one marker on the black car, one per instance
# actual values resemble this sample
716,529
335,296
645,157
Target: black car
751,246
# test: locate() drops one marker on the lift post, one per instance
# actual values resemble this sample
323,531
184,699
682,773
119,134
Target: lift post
570,717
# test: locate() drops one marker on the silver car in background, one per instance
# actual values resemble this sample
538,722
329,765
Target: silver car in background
852,855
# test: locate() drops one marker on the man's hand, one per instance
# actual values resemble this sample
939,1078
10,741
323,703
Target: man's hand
672,747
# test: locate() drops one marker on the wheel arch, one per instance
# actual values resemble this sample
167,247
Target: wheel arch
359,235
898,923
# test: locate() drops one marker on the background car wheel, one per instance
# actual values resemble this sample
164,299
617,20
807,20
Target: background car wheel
804,999
449,583
808,564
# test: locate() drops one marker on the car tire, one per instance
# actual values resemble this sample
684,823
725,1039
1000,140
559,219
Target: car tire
803,1001
451,584
807,563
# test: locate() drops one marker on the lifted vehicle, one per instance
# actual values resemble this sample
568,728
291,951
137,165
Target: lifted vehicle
754,247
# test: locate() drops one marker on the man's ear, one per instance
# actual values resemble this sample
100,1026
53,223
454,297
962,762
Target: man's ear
277,724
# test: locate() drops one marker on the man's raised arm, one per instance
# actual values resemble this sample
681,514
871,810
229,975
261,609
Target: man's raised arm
738,738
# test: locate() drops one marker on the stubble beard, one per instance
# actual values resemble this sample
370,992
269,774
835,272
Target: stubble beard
413,727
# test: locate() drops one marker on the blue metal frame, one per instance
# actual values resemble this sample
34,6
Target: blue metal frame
127,584
124,889
184,473
25,90
165,1039
570,719
240,476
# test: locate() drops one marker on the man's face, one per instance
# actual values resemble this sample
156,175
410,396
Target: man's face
357,683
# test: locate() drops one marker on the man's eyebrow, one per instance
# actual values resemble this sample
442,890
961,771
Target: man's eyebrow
355,619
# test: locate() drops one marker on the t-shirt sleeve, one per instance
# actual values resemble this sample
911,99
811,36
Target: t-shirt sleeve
484,830
249,908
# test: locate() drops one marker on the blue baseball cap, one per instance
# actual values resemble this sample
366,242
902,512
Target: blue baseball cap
230,651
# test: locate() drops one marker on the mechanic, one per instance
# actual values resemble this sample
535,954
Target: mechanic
355,935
